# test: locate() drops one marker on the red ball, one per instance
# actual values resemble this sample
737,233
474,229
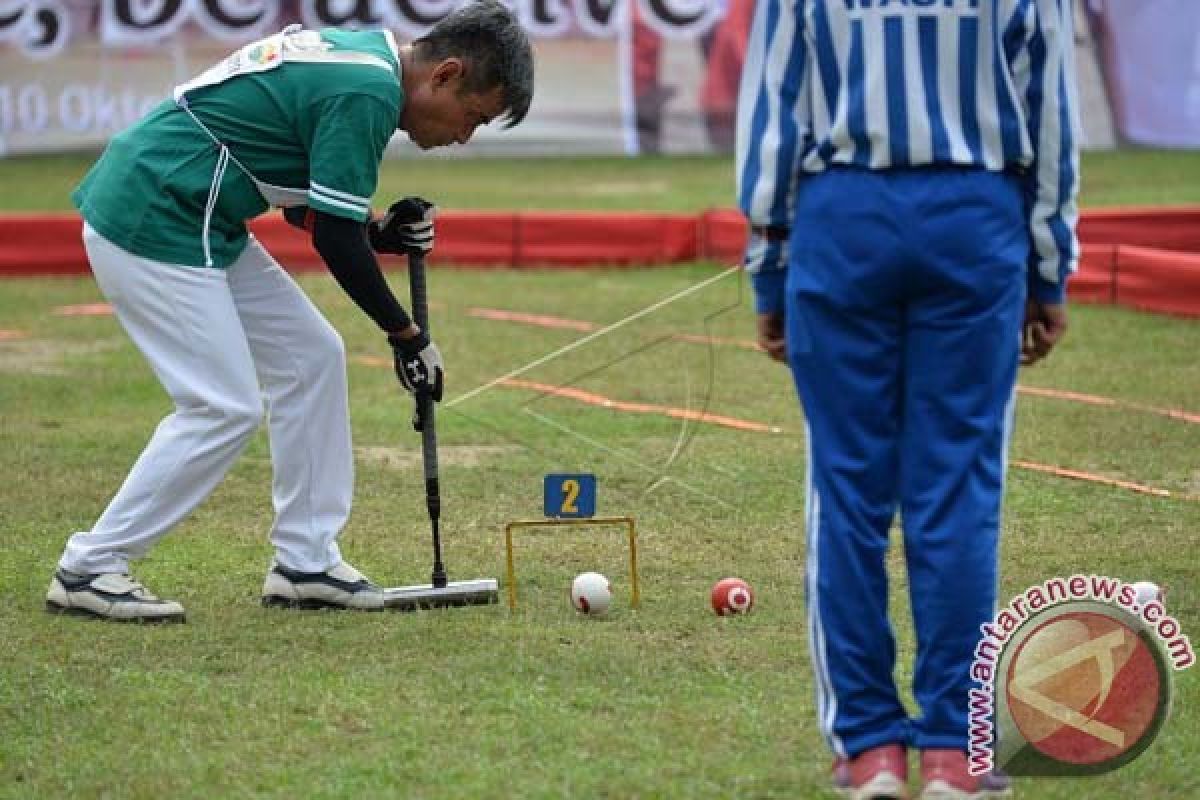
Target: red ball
732,596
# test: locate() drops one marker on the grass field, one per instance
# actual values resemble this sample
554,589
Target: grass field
1131,177
664,702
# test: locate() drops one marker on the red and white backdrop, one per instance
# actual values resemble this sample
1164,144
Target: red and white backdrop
614,76
1148,52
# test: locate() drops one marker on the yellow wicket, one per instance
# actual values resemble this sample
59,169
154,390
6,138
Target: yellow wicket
635,595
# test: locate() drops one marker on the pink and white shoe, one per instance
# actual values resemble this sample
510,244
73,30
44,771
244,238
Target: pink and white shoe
880,773
944,776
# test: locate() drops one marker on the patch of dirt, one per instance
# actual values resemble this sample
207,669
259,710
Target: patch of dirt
46,356
449,455
626,187
85,310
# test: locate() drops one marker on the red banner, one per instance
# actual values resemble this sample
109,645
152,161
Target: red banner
1142,258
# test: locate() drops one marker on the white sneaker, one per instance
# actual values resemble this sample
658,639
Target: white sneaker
338,587
108,595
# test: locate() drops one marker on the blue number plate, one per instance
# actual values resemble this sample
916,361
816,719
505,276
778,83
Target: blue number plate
570,495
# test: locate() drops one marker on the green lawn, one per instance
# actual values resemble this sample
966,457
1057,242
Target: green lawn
1127,177
668,701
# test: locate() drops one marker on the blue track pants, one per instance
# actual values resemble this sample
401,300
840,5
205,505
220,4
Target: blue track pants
905,296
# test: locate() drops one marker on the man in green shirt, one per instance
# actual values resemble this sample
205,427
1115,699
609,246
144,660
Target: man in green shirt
298,120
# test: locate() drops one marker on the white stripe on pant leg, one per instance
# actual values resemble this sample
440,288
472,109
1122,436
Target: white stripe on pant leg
810,571
183,321
301,364
822,657
1010,419
826,697
1010,416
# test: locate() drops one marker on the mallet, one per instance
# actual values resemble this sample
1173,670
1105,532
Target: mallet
439,593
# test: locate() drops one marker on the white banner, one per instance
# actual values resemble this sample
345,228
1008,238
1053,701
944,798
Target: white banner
1150,53
613,76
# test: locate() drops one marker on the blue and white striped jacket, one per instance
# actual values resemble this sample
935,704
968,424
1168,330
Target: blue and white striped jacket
909,83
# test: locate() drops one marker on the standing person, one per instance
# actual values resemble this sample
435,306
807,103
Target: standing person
300,119
909,171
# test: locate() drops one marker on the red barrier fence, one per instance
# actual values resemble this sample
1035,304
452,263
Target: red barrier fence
1144,258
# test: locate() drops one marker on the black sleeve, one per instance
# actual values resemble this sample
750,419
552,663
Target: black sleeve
297,217
343,245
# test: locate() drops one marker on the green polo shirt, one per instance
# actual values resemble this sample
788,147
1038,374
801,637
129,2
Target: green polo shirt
321,127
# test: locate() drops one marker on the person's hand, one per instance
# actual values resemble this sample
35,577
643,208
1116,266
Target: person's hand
1045,324
766,261
771,335
418,364
407,227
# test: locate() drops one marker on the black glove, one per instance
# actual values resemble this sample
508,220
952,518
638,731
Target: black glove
406,227
418,364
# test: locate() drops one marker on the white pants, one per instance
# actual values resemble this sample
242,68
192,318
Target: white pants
214,337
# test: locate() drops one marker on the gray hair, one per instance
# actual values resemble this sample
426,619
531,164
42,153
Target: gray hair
496,49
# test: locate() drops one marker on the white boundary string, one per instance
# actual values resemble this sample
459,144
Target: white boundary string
462,398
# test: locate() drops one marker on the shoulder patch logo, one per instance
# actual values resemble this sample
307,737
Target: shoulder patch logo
264,53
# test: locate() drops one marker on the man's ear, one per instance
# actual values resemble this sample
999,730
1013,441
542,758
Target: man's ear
446,72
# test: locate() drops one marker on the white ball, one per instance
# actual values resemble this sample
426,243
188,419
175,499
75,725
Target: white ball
591,593
1146,592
